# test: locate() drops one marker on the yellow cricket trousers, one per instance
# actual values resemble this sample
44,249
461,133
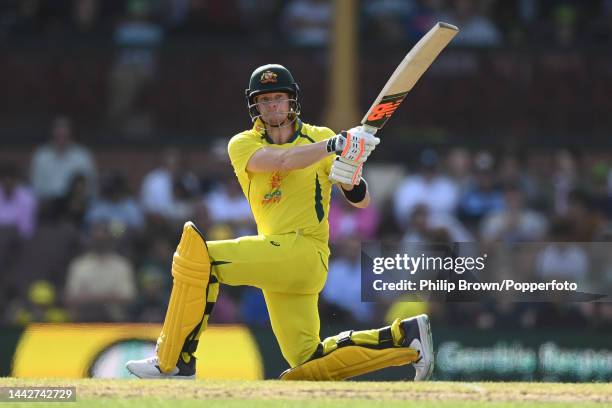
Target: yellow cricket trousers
291,270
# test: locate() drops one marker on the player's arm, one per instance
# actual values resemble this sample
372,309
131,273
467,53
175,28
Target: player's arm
270,158
354,145
356,195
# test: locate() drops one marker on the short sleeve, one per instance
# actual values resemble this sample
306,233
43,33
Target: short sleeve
240,148
326,133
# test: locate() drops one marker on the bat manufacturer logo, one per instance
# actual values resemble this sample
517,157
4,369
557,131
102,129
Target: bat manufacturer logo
268,77
384,110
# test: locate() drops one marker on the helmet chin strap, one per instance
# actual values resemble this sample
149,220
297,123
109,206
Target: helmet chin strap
285,123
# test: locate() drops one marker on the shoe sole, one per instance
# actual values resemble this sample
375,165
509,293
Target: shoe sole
426,344
159,377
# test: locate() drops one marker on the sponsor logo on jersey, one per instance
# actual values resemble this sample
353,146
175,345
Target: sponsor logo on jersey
275,195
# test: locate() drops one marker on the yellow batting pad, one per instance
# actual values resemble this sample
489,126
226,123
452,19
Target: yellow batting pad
350,361
191,272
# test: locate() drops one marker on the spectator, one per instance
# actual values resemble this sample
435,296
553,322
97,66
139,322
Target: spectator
562,258
100,282
347,221
256,10
24,22
227,205
481,198
423,17
565,19
423,227
512,170
10,244
156,194
154,280
72,206
40,305
137,38
167,191
17,202
459,165
343,287
477,30
597,182
307,22
586,219
85,25
436,191
515,222
600,30
386,18
54,165
564,180
115,205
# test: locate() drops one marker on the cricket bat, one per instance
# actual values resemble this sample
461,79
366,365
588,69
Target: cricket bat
408,72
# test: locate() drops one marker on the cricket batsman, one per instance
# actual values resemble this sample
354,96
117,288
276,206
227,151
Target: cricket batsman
286,169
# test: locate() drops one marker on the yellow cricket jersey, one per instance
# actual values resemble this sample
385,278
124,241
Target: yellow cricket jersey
285,201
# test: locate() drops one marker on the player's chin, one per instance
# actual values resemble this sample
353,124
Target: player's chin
277,119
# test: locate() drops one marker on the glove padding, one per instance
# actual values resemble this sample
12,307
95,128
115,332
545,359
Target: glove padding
345,172
354,145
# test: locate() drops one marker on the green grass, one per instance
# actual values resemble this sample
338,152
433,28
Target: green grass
272,394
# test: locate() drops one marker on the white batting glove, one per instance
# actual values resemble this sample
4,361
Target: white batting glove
354,145
345,172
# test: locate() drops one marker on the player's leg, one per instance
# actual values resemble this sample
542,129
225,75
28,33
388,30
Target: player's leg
193,294
283,263
260,261
350,353
295,323
263,262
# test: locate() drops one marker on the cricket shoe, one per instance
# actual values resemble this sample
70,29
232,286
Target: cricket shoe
149,368
417,335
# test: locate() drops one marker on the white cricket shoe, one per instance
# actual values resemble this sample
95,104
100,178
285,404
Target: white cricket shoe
417,335
149,368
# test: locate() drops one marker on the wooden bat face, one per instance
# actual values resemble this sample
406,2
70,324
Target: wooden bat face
406,75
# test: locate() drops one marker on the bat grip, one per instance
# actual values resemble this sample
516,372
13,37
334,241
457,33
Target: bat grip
370,129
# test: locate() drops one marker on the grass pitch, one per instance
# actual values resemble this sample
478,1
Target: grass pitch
271,394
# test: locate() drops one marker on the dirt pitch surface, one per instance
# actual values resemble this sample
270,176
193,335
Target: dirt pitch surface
270,393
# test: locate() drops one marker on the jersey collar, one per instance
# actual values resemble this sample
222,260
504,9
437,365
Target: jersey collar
294,136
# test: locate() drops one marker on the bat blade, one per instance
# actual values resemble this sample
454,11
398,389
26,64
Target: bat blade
406,75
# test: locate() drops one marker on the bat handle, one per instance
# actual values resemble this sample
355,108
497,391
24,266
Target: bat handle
370,129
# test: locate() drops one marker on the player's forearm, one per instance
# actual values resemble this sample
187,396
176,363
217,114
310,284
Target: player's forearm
298,157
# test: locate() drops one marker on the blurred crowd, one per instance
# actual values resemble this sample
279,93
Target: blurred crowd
305,23
81,242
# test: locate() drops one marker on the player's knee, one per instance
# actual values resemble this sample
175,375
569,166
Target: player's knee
300,355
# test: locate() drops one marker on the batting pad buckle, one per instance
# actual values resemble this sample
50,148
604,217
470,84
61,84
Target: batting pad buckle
344,339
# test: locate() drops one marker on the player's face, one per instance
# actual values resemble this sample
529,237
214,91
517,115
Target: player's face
274,107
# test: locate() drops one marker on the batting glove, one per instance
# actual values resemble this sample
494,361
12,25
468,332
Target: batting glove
354,145
345,172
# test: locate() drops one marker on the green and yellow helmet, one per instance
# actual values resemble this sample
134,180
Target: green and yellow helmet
271,78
